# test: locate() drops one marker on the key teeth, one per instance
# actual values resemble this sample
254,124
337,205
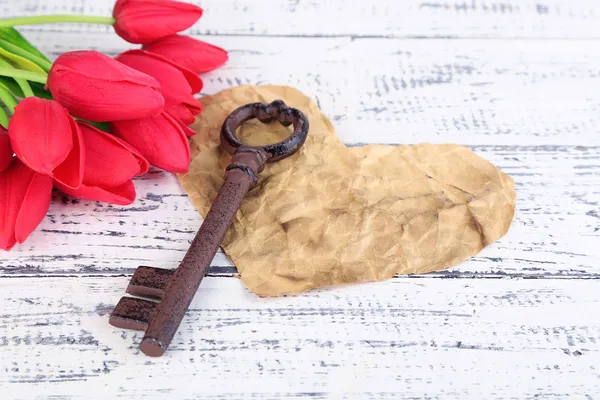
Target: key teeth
131,313
149,282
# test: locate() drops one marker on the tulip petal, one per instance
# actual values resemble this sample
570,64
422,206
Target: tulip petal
35,206
193,54
107,162
186,129
24,200
40,134
96,87
6,153
174,86
124,100
183,113
143,164
121,195
192,78
95,65
137,19
71,172
193,106
160,140
11,197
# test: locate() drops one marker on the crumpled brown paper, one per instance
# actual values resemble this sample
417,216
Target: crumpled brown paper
332,215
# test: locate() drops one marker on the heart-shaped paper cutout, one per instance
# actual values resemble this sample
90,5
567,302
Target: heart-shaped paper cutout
332,215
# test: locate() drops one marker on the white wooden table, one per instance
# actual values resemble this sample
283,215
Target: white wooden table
518,81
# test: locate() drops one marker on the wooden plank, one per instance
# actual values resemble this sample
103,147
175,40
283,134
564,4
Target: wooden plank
529,106
401,91
375,18
429,338
555,232
538,92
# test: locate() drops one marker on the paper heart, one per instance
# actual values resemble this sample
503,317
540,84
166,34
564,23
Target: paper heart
333,215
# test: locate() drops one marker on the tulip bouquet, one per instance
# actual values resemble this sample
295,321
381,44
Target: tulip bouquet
87,124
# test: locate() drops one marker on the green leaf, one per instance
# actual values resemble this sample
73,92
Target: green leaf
23,74
40,91
20,62
13,36
103,126
3,118
16,50
24,88
8,99
12,86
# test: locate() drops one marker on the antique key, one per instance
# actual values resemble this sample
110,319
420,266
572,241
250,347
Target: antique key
175,289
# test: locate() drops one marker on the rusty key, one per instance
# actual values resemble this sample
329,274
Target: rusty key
175,289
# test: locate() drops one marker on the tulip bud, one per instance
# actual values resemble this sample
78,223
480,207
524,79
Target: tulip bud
182,113
24,201
6,153
144,21
177,84
159,139
98,88
110,164
45,137
186,129
184,117
193,54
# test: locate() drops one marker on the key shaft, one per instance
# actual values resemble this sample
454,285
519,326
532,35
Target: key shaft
240,177
175,289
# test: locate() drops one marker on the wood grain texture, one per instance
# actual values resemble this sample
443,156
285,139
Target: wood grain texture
402,91
372,18
554,234
416,338
520,320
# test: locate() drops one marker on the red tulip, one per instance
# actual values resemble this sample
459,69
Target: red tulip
186,129
24,200
45,137
144,21
159,139
182,113
177,84
110,164
95,87
194,54
184,117
6,153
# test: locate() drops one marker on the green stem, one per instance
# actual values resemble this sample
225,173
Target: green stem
49,19
45,65
20,73
8,100
3,118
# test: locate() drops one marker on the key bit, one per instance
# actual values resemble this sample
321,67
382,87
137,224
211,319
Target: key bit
132,313
175,289
149,282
